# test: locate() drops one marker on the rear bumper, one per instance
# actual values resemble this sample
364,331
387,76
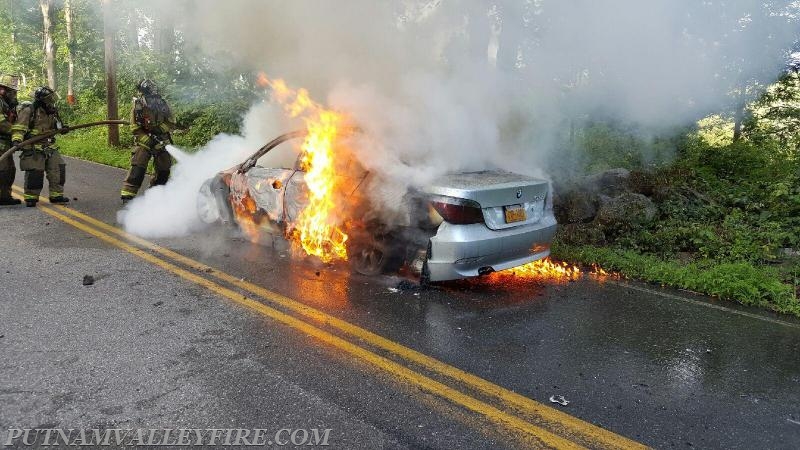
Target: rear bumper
462,251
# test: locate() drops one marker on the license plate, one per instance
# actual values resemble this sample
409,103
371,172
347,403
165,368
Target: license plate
515,213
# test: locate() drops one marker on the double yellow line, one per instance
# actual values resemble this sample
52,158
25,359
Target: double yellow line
537,424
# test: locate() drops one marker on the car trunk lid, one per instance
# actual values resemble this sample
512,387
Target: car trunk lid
507,199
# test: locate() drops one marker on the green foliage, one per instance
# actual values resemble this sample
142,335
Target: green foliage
600,145
735,202
742,282
725,211
715,130
776,115
206,122
206,97
90,144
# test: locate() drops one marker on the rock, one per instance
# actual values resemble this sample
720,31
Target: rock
625,211
641,182
580,234
575,206
788,252
88,280
612,182
685,257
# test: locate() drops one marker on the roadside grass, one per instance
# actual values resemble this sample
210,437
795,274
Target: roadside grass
742,282
91,144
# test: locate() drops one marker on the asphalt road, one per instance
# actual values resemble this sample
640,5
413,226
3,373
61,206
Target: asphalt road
243,336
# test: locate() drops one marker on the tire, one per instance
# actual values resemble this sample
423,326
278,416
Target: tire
370,259
374,258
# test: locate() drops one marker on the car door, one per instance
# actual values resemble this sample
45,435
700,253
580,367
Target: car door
267,187
296,196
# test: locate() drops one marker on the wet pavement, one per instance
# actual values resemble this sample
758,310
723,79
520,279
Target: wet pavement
664,368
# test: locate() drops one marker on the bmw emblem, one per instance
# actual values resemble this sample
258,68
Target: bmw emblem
519,193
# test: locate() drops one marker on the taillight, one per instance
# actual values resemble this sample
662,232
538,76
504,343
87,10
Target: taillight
458,211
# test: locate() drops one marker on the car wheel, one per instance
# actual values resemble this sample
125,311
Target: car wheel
370,259
207,208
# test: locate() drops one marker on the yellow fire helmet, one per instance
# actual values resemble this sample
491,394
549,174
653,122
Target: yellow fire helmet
9,82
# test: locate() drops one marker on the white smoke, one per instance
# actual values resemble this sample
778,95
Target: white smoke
446,85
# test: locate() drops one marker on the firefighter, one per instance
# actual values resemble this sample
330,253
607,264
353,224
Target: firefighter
8,114
152,123
43,157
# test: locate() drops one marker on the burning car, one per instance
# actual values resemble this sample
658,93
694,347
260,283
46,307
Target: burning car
463,225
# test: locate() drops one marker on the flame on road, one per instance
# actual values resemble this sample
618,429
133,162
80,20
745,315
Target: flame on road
317,229
543,269
549,270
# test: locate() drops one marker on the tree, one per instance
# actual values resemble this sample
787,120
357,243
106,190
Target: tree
109,30
776,114
49,43
70,51
164,37
13,26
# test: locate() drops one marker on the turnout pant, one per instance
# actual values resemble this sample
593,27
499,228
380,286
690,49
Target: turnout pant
162,162
8,170
36,163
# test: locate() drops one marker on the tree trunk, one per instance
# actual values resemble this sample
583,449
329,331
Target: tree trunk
509,40
49,44
70,50
132,30
109,30
164,36
11,10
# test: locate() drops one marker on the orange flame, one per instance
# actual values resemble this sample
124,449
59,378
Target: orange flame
600,274
317,229
262,80
550,270
545,269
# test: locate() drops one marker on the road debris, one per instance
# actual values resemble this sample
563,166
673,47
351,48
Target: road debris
559,399
405,285
393,290
796,422
88,280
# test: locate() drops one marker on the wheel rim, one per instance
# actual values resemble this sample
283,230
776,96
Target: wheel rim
370,260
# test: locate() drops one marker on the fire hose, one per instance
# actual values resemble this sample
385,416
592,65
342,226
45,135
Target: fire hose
51,133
